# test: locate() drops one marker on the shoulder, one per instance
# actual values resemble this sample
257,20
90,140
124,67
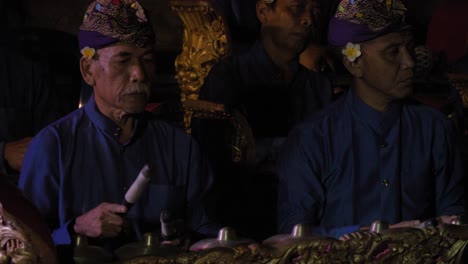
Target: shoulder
167,130
425,114
233,63
225,66
320,83
314,75
321,124
65,123
331,114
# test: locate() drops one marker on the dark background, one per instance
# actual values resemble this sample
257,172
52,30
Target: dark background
47,29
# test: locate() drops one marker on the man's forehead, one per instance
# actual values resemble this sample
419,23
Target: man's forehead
394,38
124,48
313,2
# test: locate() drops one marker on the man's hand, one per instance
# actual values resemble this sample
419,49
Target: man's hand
14,152
447,219
101,221
411,223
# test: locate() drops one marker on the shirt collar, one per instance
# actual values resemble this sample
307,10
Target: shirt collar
269,68
101,121
380,122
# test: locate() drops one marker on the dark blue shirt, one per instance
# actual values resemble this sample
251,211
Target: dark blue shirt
77,163
251,83
272,105
351,165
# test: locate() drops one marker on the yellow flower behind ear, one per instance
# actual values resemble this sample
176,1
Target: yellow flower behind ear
88,52
352,51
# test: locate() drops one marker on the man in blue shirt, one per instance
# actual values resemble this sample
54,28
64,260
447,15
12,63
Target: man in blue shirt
269,87
78,169
374,154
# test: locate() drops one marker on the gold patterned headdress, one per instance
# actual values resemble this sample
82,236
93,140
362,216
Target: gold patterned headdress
361,20
109,21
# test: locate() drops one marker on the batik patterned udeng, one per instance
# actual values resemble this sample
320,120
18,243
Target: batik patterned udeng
123,20
376,14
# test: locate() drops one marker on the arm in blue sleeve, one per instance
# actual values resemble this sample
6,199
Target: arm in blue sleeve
448,171
200,181
63,234
301,196
40,182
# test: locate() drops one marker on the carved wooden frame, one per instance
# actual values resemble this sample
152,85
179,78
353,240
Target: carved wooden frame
19,244
445,244
206,40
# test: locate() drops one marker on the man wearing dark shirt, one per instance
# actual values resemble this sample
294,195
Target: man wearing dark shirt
267,82
269,87
373,154
78,169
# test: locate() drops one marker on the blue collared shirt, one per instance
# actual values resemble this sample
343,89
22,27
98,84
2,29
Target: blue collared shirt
77,163
272,105
351,165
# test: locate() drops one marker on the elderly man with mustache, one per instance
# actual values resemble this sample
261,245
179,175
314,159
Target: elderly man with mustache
375,154
78,169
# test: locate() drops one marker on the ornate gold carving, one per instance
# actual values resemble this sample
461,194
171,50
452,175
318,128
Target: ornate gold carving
405,245
205,42
13,243
17,243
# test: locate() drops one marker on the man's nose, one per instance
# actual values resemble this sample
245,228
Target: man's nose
407,60
137,72
306,19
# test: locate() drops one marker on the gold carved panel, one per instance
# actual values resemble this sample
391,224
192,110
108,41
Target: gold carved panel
242,141
444,245
205,42
19,244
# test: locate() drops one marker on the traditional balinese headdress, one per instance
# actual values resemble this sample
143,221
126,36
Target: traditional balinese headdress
109,21
356,21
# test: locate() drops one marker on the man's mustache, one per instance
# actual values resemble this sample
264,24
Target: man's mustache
137,88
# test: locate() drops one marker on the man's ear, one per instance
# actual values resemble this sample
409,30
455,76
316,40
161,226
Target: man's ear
86,72
262,11
354,67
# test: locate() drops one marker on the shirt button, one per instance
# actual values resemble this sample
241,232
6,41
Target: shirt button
383,145
117,132
385,182
122,149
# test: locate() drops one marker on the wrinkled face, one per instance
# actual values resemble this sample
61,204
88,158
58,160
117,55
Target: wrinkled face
387,65
123,75
290,23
